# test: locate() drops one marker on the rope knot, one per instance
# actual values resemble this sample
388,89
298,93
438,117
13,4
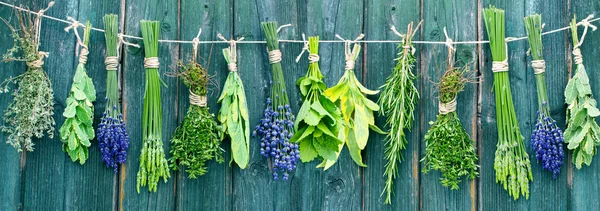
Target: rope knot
38,63
577,56
198,100
151,62
232,66
313,58
111,62
445,108
539,66
83,54
274,56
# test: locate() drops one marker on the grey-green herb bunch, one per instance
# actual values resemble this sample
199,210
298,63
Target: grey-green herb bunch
29,115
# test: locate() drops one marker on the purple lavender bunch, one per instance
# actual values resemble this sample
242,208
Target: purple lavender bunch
547,142
113,140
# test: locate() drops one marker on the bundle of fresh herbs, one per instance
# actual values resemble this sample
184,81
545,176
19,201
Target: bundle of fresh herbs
582,133
196,140
29,115
153,163
547,138
233,114
357,110
449,148
319,120
113,139
277,126
398,101
512,165
77,131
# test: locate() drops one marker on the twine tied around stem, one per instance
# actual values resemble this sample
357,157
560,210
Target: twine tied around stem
232,65
198,100
38,63
350,53
576,51
406,38
111,62
451,50
445,108
195,43
539,66
312,58
151,62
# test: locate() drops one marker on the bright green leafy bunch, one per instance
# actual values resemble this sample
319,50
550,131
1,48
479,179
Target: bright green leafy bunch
233,114
30,114
196,139
77,131
319,120
582,133
512,165
153,164
357,109
449,148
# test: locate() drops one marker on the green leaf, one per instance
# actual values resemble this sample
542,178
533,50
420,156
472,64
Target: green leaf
80,133
592,111
321,126
304,109
78,94
307,152
72,142
90,90
364,89
83,116
377,130
312,118
334,93
570,92
70,111
325,149
296,137
371,105
353,148
361,126
65,129
239,150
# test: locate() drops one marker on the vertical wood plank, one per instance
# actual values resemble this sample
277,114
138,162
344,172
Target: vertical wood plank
379,17
340,187
585,183
211,191
134,81
44,174
92,185
460,20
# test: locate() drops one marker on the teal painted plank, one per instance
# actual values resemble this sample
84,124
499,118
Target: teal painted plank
11,187
211,191
585,183
44,176
460,20
133,83
379,17
100,187
340,186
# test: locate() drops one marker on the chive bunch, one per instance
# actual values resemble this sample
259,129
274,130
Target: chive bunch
153,164
277,126
547,138
512,165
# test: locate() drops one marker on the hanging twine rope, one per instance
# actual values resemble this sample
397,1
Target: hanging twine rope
539,66
151,62
232,65
84,48
312,58
451,50
576,51
198,100
39,62
349,52
502,66
407,38
445,108
195,43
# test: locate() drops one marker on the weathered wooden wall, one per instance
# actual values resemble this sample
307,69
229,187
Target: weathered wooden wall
46,179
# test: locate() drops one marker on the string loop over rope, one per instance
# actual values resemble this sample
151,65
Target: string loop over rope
312,58
350,53
195,43
232,65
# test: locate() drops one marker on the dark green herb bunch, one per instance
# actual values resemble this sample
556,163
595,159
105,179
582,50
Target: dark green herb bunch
449,148
196,140
319,120
512,165
77,131
29,115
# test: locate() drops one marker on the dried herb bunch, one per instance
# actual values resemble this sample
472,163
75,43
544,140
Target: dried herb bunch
77,131
449,148
512,165
582,133
29,115
196,140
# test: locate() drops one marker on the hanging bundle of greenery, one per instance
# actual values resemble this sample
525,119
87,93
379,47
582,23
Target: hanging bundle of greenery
512,165
319,120
357,110
233,114
29,115
196,140
582,134
77,131
547,138
398,101
153,164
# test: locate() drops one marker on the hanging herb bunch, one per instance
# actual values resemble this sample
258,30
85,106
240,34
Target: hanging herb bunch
512,165
398,101
357,110
29,115
153,164
582,133
233,114
113,139
449,148
547,138
196,139
319,120
277,126
77,131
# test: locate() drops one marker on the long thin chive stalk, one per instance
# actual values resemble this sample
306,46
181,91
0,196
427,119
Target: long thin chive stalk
153,163
547,138
512,165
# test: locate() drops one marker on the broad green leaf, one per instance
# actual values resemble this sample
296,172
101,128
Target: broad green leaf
304,109
591,110
309,131
238,145
353,148
72,142
83,116
80,133
582,89
326,130
334,93
70,111
78,94
234,110
74,154
361,126
364,89
307,152
312,118
570,93
347,106
90,90
325,149
296,137
65,129
377,129
588,147
371,105
82,155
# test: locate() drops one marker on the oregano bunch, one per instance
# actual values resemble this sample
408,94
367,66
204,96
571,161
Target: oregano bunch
319,120
29,115
77,131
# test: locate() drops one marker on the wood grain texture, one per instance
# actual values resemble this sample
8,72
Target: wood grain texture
583,194
133,83
379,17
460,20
211,191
